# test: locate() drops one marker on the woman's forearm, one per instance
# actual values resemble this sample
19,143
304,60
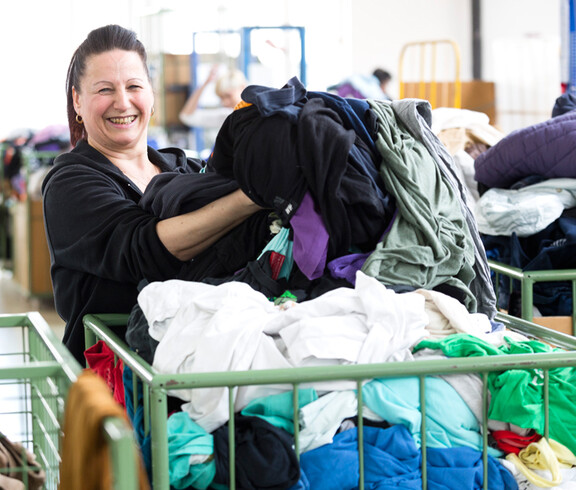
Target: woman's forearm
187,235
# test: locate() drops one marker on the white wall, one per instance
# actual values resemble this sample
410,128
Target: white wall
343,37
380,36
521,41
522,55
37,39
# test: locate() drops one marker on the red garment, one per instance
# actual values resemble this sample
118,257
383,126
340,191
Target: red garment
510,442
100,359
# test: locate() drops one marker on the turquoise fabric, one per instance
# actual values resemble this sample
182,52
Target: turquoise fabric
185,440
517,395
449,420
282,244
278,409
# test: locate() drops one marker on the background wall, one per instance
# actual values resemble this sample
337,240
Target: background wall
521,43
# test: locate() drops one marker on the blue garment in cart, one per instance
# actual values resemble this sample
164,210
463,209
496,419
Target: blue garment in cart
392,460
136,416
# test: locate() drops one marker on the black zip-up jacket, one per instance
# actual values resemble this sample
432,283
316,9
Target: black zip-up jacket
101,242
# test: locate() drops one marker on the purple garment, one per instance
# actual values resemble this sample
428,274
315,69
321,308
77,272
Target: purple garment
348,90
310,239
345,267
546,149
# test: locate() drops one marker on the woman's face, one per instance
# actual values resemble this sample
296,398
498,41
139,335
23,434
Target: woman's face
115,100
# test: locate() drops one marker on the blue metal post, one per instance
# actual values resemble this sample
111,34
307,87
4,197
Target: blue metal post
572,48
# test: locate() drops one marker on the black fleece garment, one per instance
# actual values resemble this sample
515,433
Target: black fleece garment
265,457
276,160
103,242
261,154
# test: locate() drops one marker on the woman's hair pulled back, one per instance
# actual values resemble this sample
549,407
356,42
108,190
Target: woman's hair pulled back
99,41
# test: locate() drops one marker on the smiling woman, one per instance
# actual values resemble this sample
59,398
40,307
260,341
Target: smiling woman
102,242
113,102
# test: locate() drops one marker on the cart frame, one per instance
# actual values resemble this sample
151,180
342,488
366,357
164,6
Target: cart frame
527,280
42,370
156,385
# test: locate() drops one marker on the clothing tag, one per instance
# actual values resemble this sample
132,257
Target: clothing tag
276,260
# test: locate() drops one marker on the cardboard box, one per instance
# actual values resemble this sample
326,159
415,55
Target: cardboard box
31,254
176,69
173,103
559,323
477,95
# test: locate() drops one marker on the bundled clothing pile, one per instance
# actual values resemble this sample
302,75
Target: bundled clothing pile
191,321
19,468
527,211
354,184
466,135
366,247
27,154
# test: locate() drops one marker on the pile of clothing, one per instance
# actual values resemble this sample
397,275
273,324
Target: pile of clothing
527,211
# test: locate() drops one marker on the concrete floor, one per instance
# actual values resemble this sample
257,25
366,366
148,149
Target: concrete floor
14,300
14,423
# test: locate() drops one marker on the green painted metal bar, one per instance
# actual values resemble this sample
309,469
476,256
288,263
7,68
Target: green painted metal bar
296,418
356,372
97,323
146,406
552,275
423,443
360,429
485,429
89,338
231,439
545,334
135,382
527,295
57,351
39,395
351,372
573,308
14,320
546,394
39,369
527,281
507,270
120,438
159,441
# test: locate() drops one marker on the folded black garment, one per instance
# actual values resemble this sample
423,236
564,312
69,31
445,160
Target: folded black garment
265,457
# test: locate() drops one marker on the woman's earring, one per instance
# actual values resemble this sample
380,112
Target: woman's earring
79,119
152,111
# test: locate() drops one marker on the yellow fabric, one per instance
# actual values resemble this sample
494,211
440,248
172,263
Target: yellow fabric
543,455
86,461
241,105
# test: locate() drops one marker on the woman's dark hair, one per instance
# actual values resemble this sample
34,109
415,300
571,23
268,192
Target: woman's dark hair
99,41
382,75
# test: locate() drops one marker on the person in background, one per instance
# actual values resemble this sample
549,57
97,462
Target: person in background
228,88
364,86
383,78
102,243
